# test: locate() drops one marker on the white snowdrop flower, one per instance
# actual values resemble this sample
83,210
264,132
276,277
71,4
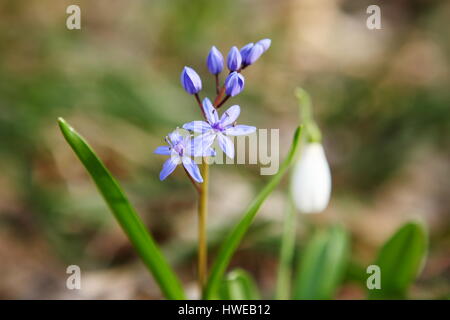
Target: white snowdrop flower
311,180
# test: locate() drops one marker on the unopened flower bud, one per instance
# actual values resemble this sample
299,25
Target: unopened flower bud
234,59
214,61
265,43
234,84
191,80
245,50
254,53
311,180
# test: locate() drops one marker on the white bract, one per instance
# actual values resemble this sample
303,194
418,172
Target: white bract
311,180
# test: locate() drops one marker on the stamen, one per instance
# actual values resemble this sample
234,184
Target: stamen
168,141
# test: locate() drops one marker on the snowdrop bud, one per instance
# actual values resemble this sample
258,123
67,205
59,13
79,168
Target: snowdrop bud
214,61
265,43
234,84
190,80
311,180
234,59
254,53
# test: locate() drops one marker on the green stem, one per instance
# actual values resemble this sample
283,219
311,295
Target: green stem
284,277
202,215
312,131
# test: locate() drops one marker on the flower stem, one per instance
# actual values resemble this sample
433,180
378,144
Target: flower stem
223,101
219,96
197,98
217,84
202,215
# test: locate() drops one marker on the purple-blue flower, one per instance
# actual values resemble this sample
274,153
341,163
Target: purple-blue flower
265,43
234,59
190,80
181,149
254,53
214,128
251,52
214,61
234,84
245,50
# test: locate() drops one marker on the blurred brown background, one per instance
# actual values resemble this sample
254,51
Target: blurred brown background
381,97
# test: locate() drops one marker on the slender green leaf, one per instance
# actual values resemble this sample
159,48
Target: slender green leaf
400,260
322,265
239,285
283,290
232,241
125,214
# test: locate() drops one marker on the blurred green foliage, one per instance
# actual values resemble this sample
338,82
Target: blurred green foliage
117,80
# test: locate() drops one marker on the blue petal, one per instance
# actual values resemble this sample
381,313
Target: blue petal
197,126
245,50
191,80
265,43
256,51
226,145
230,116
210,152
168,167
192,168
234,84
239,130
210,111
164,150
202,144
214,62
175,137
234,59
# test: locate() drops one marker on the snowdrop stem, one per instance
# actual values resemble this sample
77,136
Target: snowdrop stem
202,215
312,131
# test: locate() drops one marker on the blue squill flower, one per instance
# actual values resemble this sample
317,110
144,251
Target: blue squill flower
253,54
214,128
181,150
214,61
234,59
234,84
190,80
265,43
245,50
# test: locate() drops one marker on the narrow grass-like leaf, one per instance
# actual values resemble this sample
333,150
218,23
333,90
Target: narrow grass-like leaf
232,241
125,214
239,285
400,260
284,275
322,265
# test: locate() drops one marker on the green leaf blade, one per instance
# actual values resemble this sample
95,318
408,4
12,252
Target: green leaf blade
239,285
232,241
284,274
322,265
400,260
124,213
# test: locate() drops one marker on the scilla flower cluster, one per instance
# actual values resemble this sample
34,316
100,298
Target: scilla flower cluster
182,146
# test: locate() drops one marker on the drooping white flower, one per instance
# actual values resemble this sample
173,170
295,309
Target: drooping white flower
311,180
